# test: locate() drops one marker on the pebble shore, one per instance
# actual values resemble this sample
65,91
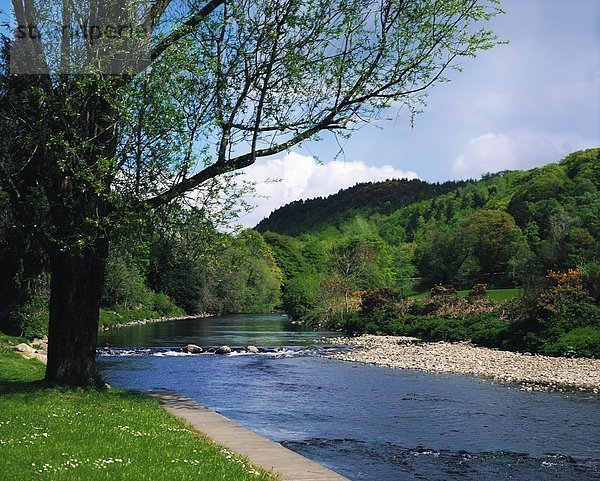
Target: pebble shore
531,372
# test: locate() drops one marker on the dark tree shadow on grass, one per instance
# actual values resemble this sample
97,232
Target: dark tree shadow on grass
14,387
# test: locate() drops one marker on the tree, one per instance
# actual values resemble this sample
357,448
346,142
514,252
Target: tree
21,256
242,276
583,163
360,263
479,249
174,271
288,254
203,90
492,238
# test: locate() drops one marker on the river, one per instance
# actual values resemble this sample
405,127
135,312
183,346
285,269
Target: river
365,422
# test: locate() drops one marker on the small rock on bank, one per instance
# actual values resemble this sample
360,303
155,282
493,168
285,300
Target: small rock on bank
24,348
30,352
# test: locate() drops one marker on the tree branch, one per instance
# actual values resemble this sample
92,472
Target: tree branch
245,160
185,28
155,12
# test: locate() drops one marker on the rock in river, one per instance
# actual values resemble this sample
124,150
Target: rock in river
252,349
193,349
223,350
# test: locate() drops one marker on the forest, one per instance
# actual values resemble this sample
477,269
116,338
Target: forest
395,257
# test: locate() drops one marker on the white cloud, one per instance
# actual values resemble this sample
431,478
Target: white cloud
302,177
493,152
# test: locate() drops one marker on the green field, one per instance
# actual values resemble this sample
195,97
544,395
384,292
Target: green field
75,434
494,294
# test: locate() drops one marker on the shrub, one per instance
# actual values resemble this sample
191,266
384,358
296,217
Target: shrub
382,308
440,329
163,305
565,305
442,293
478,293
537,322
568,284
488,331
590,273
580,342
351,324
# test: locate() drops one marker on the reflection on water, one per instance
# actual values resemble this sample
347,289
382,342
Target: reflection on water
266,330
365,422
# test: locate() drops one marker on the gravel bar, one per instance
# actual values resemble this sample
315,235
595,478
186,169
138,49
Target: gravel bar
532,372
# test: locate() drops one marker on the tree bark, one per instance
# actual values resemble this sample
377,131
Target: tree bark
75,294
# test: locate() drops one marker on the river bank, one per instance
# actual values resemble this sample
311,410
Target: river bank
141,322
66,434
532,372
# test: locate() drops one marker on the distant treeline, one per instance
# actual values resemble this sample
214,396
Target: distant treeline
367,197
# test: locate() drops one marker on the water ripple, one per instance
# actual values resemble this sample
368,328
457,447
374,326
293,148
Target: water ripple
421,462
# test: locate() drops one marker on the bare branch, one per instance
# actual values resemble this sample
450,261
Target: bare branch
240,162
185,29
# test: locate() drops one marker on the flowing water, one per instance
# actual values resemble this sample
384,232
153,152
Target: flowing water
365,422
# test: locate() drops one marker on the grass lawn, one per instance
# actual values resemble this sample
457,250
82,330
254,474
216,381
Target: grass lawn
76,434
501,294
494,294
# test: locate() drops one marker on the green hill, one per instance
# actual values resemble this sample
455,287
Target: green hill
368,197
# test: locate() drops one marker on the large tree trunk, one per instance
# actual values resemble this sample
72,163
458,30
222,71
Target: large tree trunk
75,294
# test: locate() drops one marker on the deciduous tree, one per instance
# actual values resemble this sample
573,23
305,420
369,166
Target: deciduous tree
102,133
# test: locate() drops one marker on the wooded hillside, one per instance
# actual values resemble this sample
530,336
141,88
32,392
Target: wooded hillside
500,229
366,198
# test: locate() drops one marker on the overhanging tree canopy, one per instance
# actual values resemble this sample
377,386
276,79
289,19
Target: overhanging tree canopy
111,126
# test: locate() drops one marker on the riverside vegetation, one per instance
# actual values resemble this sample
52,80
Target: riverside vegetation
355,260
510,261
74,434
561,319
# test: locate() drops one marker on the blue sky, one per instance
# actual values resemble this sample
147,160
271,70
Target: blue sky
540,92
517,106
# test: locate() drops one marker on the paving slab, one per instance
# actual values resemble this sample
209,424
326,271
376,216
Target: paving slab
261,451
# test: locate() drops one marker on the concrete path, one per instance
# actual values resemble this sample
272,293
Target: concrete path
259,450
